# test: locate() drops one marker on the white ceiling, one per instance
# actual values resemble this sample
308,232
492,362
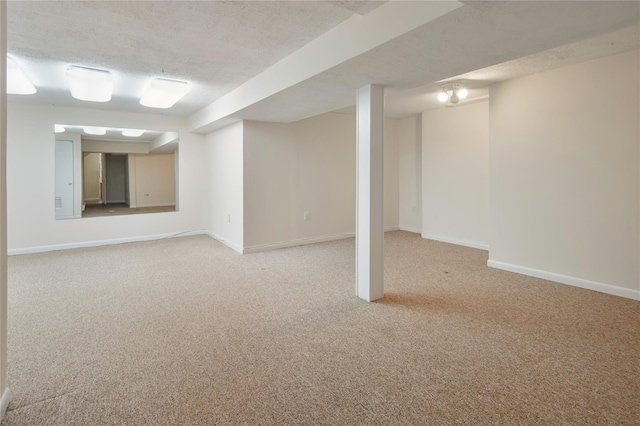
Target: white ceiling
221,47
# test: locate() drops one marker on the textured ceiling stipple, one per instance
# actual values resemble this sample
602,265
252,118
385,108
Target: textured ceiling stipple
218,46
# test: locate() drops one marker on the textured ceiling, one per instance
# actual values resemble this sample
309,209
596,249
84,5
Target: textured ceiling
215,45
218,46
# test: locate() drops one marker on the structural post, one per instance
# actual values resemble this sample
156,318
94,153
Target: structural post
4,390
370,189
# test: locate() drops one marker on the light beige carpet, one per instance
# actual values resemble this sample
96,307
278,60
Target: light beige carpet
185,331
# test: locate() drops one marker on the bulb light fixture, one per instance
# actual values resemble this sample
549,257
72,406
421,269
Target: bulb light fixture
17,81
89,84
132,133
452,93
163,93
59,128
97,131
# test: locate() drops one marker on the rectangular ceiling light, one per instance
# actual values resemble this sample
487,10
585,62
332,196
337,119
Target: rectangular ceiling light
17,81
88,84
163,93
92,130
132,133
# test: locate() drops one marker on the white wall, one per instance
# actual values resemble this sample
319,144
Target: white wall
154,180
91,177
410,175
455,174
224,190
30,171
308,166
391,174
564,174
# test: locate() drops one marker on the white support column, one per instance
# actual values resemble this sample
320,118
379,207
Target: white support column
4,389
370,189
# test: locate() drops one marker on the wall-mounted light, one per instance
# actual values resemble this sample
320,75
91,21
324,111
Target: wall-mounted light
89,84
17,81
59,128
91,130
163,93
452,93
132,133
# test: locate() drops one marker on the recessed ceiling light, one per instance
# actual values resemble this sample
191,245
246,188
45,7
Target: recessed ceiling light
98,131
163,93
88,84
59,128
17,81
134,133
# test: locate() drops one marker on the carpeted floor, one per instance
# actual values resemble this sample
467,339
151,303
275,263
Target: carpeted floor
186,331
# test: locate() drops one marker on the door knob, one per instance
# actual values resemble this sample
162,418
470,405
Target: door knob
70,183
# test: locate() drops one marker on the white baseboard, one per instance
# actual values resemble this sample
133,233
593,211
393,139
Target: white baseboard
154,205
231,245
410,229
565,279
299,242
304,241
4,402
84,244
472,244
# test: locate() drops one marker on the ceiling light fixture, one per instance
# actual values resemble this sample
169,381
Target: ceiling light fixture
452,93
59,128
89,84
163,93
91,130
133,133
17,81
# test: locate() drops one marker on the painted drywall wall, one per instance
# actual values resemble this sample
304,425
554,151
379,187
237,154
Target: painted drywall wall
564,173
30,181
391,174
308,166
224,207
455,174
91,177
410,174
154,180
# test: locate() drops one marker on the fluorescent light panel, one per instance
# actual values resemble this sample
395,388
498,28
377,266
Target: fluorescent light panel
133,133
163,93
88,84
17,81
91,130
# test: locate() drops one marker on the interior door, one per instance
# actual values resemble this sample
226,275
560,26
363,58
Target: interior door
64,183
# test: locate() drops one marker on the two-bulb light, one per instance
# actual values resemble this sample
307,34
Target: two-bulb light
452,94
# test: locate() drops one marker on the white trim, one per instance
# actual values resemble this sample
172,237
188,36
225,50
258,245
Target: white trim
410,229
156,205
450,240
565,279
304,241
299,242
84,244
226,242
4,402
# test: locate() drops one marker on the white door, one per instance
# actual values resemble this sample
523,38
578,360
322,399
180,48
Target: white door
64,179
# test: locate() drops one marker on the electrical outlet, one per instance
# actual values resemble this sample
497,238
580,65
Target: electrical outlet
228,218
307,216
